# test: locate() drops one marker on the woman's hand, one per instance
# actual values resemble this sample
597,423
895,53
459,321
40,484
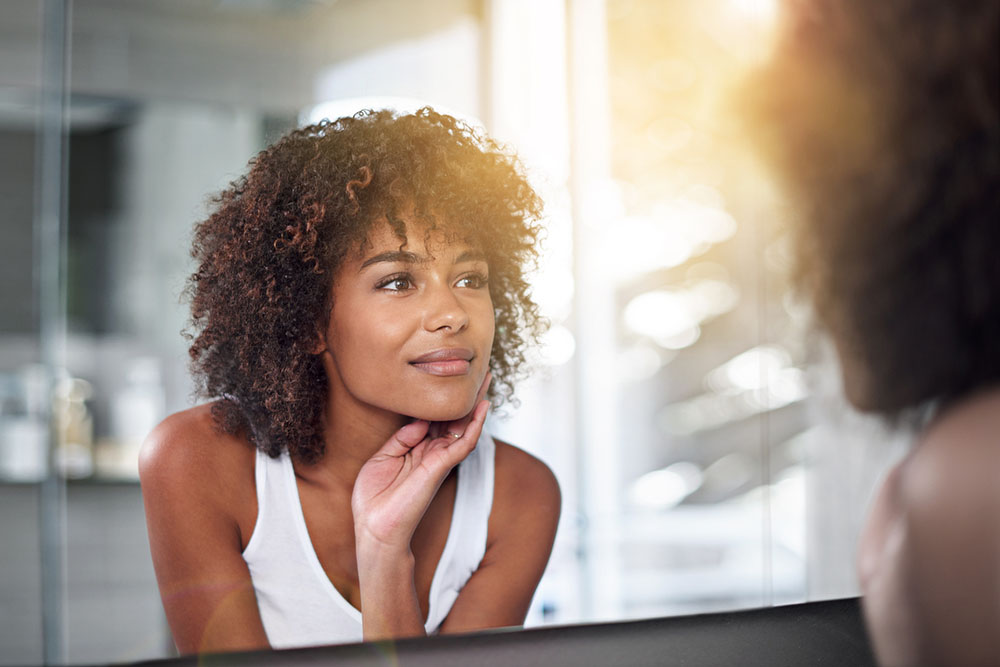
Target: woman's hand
391,493
395,486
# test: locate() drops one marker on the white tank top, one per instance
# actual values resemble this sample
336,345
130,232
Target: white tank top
298,604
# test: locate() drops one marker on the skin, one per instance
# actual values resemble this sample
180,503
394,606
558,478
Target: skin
378,504
929,557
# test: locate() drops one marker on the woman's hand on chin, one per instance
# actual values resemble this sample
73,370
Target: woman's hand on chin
395,486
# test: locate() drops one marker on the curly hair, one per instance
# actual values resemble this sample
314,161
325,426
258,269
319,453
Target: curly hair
883,117
267,256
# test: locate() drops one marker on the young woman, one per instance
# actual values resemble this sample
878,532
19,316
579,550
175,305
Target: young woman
358,294
885,119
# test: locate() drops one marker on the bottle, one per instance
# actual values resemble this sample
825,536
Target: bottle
74,428
135,410
24,434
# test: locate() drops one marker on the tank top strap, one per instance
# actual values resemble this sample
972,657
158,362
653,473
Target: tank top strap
265,492
466,544
475,491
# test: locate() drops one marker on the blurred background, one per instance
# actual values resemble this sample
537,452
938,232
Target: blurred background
693,416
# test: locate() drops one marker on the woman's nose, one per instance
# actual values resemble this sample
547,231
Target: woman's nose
444,310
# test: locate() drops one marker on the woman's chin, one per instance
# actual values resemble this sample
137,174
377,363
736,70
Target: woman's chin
445,412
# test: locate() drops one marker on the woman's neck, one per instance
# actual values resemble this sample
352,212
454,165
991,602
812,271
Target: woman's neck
352,433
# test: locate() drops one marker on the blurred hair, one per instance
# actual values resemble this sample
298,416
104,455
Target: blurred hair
268,254
883,119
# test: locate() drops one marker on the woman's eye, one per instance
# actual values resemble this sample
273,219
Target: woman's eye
473,281
396,284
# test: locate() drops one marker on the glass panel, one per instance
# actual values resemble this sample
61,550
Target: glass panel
167,102
32,507
163,113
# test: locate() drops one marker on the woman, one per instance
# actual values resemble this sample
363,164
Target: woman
354,293
885,119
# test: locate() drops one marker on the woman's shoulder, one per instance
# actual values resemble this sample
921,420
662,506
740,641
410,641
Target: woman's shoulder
975,417
189,451
525,489
961,446
946,489
946,533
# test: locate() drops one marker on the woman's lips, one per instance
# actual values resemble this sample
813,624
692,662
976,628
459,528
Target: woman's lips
445,363
444,368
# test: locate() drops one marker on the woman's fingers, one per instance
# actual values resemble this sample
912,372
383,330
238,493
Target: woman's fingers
395,486
437,447
450,448
405,439
466,441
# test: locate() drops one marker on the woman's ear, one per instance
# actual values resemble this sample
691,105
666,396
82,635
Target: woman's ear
319,345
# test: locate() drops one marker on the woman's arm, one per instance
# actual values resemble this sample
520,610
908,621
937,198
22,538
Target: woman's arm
191,478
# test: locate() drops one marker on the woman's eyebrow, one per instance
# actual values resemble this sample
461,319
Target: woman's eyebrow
471,256
404,256
407,257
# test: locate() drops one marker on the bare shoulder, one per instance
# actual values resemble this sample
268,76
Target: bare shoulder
523,478
187,453
525,490
973,423
956,459
200,501
949,552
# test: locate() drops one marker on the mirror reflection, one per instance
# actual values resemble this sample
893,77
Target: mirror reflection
694,421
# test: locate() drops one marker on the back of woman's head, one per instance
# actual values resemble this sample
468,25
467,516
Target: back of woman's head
884,120
268,254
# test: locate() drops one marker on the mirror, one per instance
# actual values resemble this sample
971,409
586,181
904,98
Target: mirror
692,419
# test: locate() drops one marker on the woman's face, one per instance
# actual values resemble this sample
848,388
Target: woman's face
411,328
